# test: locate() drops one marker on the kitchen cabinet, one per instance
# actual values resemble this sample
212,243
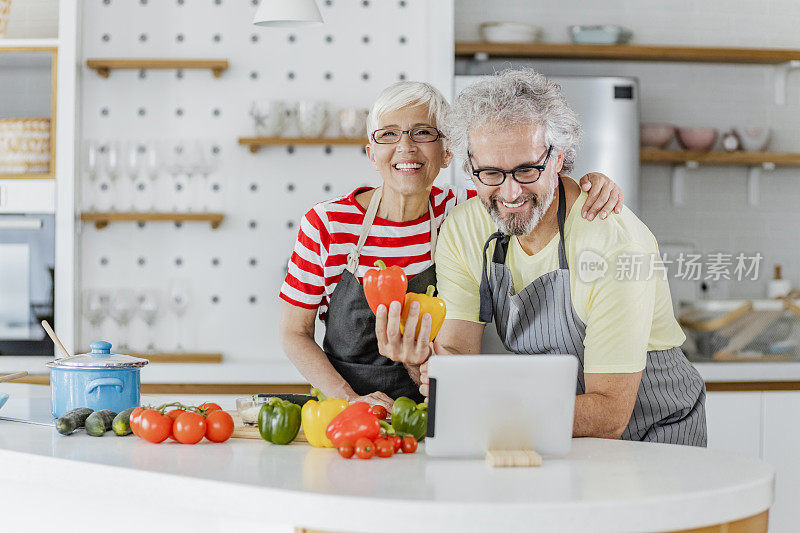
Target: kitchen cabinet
734,422
781,446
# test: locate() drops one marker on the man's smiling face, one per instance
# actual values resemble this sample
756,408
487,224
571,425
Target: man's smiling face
515,207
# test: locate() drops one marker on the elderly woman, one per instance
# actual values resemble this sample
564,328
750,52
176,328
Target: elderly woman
398,222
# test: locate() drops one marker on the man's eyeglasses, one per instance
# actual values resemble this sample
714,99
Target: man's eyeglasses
420,134
524,174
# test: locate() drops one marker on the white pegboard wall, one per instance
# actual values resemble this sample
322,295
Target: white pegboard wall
235,271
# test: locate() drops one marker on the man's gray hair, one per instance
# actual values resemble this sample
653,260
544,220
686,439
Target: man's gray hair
515,96
408,94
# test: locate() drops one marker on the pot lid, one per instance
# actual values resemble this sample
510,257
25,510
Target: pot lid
100,357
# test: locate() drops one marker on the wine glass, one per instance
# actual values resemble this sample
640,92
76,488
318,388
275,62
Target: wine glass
176,164
95,306
123,305
179,303
90,164
148,310
151,165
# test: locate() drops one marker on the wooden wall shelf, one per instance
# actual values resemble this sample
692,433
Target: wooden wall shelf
748,159
101,220
256,143
629,52
105,66
48,176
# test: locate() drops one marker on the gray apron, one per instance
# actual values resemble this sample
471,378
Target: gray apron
350,342
540,319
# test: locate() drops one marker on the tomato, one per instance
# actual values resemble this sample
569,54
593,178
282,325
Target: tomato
384,448
409,444
210,407
347,450
365,449
396,442
153,426
219,426
173,415
189,428
134,420
379,411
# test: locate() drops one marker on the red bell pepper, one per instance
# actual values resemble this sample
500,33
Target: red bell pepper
353,423
385,285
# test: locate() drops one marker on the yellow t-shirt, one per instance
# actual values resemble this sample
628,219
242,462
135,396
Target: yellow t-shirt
627,307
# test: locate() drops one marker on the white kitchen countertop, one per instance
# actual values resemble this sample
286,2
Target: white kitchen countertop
602,485
280,372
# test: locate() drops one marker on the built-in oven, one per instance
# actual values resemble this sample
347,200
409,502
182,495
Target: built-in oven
27,250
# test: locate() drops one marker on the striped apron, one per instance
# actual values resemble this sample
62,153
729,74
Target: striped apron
540,319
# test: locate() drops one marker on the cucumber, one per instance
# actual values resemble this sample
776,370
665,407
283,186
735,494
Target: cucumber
99,422
122,423
72,420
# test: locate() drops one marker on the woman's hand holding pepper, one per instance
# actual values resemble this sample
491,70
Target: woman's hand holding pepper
403,347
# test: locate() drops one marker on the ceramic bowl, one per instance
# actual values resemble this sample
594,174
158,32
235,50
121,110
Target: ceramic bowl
269,117
604,34
312,118
353,122
753,138
510,32
656,135
699,139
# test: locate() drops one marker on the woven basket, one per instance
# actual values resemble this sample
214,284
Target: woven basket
5,8
24,145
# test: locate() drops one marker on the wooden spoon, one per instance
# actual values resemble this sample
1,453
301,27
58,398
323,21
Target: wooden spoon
54,338
11,377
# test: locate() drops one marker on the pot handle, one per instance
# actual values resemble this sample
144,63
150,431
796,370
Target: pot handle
101,382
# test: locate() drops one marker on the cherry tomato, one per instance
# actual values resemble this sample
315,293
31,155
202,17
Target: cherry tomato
379,411
396,442
153,426
189,427
365,449
384,448
409,444
134,420
210,406
219,426
347,450
173,415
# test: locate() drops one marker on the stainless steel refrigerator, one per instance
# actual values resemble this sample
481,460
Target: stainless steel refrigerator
608,108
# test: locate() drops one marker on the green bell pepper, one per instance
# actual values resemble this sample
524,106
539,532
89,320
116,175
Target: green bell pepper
409,417
279,421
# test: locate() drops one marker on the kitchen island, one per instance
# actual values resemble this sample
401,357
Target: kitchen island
67,483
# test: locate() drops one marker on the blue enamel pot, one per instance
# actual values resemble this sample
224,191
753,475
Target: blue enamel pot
97,380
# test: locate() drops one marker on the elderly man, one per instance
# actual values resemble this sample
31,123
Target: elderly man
513,255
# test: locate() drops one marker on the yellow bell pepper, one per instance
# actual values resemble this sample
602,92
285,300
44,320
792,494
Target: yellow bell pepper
316,415
428,303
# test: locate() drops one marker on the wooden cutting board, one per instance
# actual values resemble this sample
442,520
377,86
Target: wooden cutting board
247,431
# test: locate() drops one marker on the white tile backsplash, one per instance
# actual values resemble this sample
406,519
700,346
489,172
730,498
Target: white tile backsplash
716,215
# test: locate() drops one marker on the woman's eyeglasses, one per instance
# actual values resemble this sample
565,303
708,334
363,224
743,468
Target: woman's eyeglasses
420,134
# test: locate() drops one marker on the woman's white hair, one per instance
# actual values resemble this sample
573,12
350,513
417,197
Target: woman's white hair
514,96
408,94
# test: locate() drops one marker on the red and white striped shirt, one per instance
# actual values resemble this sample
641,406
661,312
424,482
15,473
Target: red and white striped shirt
330,231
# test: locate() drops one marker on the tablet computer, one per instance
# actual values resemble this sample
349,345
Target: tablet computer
478,403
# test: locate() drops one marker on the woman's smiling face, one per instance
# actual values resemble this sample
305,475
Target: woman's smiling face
408,167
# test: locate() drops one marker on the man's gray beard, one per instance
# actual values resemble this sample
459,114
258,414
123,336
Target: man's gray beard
514,223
